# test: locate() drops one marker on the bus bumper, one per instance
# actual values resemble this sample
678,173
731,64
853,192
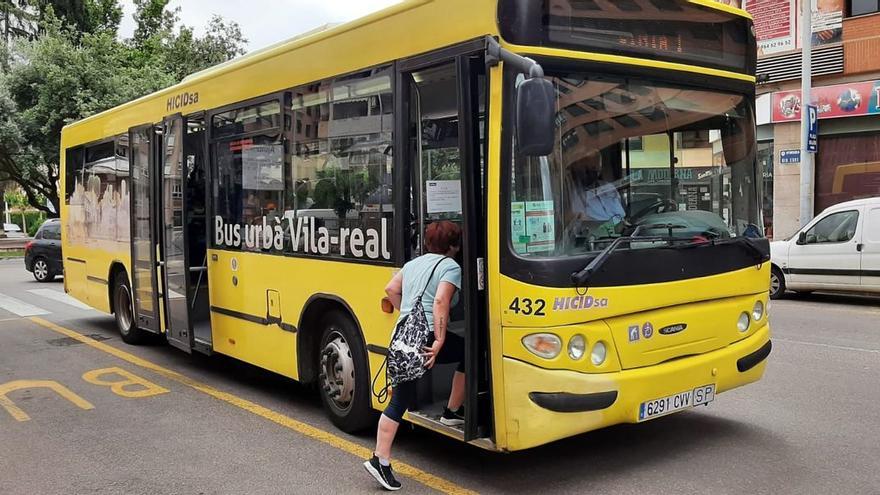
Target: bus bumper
546,405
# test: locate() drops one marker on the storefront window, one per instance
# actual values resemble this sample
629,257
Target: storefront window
847,167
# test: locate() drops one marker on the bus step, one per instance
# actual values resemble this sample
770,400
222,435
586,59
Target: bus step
432,422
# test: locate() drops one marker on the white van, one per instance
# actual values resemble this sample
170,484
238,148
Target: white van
838,251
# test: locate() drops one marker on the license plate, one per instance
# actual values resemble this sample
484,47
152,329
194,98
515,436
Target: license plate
667,405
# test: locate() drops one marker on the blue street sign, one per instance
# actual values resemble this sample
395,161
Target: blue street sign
790,156
813,130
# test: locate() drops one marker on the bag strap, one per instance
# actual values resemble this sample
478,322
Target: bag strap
430,277
382,395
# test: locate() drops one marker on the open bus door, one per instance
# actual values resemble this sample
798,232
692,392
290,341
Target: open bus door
169,231
144,244
175,269
184,233
444,96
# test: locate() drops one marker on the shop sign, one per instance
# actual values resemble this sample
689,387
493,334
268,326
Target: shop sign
840,100
664,174
774,25
777,23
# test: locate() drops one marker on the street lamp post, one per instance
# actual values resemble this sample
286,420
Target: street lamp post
808,171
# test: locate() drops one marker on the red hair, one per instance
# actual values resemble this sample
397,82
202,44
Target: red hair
441,236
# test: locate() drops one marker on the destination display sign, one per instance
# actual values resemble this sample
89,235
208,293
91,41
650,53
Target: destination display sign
654,30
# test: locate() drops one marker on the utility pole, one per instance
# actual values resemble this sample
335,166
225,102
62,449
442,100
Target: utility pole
808,171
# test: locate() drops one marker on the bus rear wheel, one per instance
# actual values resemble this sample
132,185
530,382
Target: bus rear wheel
343,376
123,310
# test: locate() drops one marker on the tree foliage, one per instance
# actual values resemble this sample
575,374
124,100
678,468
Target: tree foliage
78,67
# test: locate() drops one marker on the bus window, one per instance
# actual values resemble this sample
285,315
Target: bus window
251,185
99,191
341,172
122,200
247,119
249,168
435,100
73,167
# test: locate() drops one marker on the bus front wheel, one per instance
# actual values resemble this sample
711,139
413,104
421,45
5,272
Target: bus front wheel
343,376
123,310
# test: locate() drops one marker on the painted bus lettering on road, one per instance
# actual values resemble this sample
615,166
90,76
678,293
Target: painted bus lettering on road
129,386
18,414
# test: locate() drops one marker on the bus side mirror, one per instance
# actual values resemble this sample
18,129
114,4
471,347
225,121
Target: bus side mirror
535,117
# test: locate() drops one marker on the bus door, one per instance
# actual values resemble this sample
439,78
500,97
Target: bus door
444,97
184,271
144,260
175,269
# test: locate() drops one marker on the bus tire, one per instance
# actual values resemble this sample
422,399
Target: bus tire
123,310
343,374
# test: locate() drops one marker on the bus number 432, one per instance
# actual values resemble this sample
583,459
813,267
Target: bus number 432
528,306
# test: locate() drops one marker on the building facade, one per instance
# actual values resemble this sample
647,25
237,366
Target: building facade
846,90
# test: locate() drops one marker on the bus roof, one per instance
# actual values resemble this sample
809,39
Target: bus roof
388,34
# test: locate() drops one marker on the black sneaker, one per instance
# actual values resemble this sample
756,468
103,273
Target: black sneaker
452,418
383,474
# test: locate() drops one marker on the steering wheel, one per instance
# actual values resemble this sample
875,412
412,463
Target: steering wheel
657,206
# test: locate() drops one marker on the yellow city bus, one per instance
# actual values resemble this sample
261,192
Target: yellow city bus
257,209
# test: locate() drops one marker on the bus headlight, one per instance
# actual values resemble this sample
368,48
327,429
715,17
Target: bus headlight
743,323
545,345
577,347
758,311
599,353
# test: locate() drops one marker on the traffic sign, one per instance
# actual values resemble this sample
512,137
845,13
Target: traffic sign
813,129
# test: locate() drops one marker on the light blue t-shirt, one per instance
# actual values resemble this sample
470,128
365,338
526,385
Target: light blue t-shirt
415,276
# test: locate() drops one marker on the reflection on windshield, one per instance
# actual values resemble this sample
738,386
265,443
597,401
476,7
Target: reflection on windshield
637,158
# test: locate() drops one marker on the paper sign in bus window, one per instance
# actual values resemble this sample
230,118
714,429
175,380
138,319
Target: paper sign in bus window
444,196
540,226
518,236
262,167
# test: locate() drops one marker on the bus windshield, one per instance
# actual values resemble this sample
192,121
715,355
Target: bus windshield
635,157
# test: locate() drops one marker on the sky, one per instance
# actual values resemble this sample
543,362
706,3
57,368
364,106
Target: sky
264,22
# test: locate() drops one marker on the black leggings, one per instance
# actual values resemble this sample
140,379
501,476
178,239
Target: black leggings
404,394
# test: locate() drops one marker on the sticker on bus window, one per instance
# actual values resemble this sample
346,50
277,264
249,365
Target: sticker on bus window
540,226
443,196
518,236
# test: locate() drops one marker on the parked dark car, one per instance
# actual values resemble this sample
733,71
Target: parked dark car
42,256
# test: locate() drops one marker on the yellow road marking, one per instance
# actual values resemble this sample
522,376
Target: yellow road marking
130,386
56,387
310,431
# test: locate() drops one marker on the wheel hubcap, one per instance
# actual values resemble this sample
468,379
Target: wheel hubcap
123,309
337,371
41,270
774,284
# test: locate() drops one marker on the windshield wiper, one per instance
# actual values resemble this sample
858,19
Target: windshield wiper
582,277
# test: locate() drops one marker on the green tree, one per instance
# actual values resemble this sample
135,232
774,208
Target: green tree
187,53
67,74
23,18
61,77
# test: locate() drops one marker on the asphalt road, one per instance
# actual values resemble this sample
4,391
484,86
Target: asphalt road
197,424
